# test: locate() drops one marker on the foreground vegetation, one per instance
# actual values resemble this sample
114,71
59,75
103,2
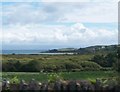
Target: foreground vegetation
83,75
54,85
58,63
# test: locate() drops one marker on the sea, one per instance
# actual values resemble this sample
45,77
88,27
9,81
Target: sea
5,52
21,51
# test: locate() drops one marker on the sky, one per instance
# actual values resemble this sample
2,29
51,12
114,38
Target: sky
52,24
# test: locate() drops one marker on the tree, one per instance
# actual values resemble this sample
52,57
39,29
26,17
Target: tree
99,59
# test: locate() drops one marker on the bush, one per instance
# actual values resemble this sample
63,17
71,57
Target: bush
105,60
87,65
37,66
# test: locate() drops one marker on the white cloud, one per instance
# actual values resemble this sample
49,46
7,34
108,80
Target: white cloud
60,12
80,0
60,0
41,23
55,35
91,12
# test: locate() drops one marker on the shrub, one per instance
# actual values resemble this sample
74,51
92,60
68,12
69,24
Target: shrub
15,80
87,65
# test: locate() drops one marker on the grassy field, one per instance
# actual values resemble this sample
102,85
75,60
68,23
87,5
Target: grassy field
49,58
86,75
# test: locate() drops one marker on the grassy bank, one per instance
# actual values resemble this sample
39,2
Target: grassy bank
86,75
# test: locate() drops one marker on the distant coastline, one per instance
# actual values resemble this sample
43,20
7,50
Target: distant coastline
90,49
5,52
20,51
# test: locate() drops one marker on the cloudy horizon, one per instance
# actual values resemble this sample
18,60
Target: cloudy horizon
45,25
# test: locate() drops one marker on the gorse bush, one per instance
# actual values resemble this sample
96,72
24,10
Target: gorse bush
90,65
45,66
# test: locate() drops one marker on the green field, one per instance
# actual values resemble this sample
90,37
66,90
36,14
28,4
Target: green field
42,77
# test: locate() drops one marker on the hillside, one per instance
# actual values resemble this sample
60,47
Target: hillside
86,50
